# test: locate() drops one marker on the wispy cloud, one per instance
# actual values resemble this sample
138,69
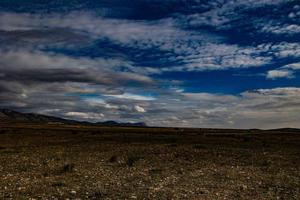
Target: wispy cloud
193,51
85,115
225,14
293,66
132,97
274,74
282,29
286,71
43,67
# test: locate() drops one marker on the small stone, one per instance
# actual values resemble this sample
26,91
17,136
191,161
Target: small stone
73,192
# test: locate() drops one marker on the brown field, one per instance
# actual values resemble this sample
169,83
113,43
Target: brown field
89,162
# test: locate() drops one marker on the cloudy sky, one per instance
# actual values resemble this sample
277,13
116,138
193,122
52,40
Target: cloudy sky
189,63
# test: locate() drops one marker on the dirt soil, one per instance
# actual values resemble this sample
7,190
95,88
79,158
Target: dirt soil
87,162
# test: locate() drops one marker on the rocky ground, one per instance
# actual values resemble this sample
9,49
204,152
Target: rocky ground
50,162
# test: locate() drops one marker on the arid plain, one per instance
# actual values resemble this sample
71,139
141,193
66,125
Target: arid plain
40,161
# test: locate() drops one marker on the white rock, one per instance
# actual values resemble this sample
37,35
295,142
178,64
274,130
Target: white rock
73,192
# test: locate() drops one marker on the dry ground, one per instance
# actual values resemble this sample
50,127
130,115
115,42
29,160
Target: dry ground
71,162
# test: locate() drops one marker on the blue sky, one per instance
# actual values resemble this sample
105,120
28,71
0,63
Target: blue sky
191,63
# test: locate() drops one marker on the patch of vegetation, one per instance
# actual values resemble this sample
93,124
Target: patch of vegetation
67,168
172,140
173,145
199,146
98,195
45,174
74,132
131,159
156,174
58,184
176,155
266,163
9,151
113,159
155,171
246,139
265,144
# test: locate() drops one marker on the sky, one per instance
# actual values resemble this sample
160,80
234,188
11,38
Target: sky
183,63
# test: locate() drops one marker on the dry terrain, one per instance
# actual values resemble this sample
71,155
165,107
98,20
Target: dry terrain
39,161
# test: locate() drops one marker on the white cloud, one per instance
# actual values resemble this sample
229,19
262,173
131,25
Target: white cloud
286,71
194,51
81,69
139,109
132,97
281,29
209,97
84,115
190,50
280,50
141,34
294,66
274,74
95,101
262,108
214,56
226,12
27,59
281,91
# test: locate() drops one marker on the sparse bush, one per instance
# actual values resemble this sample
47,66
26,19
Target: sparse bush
156,174
45,174
113,159
246,139
173,145
98,195
74,132
132,159
198,146
265,144
96,132
176,155
155,171
172,140
67,168
58,184
265,163
10,151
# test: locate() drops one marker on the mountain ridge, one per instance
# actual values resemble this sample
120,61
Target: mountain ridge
9,115
15,116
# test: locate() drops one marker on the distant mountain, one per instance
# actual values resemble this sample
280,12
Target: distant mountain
113,123
290,130
14,116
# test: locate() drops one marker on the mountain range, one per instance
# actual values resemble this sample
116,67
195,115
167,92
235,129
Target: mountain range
7,115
